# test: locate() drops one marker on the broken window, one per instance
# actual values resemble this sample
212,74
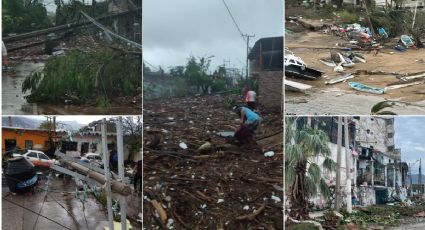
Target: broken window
69,146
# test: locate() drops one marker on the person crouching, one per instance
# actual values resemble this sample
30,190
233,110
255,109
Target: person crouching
249,124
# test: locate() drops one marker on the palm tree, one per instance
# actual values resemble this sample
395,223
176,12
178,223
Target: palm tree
378,108
302,174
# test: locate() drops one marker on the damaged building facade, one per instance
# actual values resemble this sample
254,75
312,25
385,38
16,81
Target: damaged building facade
89,140
377,173
266,65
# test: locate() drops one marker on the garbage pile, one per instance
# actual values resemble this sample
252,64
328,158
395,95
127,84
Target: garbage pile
194,178
339,60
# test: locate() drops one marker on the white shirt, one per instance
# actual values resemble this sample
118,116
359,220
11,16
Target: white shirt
250,96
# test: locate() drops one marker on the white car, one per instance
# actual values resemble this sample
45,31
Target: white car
37,158
92,157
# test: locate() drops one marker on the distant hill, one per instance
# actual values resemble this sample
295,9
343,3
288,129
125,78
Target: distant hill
415,179
33,123
22,122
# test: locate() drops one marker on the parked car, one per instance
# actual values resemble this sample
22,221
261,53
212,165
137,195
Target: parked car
92,157
37,158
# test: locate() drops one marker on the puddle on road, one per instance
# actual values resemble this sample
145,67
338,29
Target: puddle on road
14,102
13,98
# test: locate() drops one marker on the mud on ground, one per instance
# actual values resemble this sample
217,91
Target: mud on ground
219,188
310,47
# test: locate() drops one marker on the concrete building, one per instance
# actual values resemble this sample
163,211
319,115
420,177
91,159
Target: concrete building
89,140
17,138
376,170
266,66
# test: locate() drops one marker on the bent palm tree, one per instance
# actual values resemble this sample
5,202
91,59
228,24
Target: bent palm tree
303,175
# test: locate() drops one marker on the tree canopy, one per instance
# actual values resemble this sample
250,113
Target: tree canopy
19,16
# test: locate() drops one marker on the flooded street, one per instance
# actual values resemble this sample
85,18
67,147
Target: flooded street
14,102
62,209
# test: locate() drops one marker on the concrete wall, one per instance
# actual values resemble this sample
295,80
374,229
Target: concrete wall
366,195
330,177
377,135
270,88
95,140
38,138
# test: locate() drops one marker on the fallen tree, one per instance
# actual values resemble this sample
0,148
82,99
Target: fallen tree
97,77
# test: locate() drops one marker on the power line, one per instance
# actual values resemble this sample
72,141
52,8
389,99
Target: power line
234,21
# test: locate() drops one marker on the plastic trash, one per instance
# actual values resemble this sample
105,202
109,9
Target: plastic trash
276,199
269,154
183,145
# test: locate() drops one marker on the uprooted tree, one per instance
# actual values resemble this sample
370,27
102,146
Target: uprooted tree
80,77
303,176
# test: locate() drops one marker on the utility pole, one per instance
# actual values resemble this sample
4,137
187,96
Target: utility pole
410,169
107,173
247,54
120,149
420,176
347,167
394,174
338,165
373,173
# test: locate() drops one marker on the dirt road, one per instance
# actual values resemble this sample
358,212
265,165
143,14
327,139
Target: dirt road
323,95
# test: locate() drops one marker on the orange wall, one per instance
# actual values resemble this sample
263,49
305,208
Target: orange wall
20,135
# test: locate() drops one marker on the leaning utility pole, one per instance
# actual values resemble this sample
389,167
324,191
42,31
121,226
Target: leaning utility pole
347,167
338,165
247,54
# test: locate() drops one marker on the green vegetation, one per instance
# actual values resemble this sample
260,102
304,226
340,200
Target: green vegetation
378,108
67,12
381,215
189,79
81,77
18,17
303,176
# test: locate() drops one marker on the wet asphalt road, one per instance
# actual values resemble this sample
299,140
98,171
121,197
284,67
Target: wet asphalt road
52,206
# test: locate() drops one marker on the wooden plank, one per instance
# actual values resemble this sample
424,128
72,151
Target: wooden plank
296,86
340,78
271,143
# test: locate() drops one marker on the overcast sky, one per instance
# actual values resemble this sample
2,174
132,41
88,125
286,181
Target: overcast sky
410,137
174,30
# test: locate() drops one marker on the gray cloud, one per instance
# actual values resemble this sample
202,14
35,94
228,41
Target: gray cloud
173,30
410,137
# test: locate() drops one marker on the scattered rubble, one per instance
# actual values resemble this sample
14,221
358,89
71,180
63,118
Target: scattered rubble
213,183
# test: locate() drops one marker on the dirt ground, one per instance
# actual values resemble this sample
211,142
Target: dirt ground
218,188
310,47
